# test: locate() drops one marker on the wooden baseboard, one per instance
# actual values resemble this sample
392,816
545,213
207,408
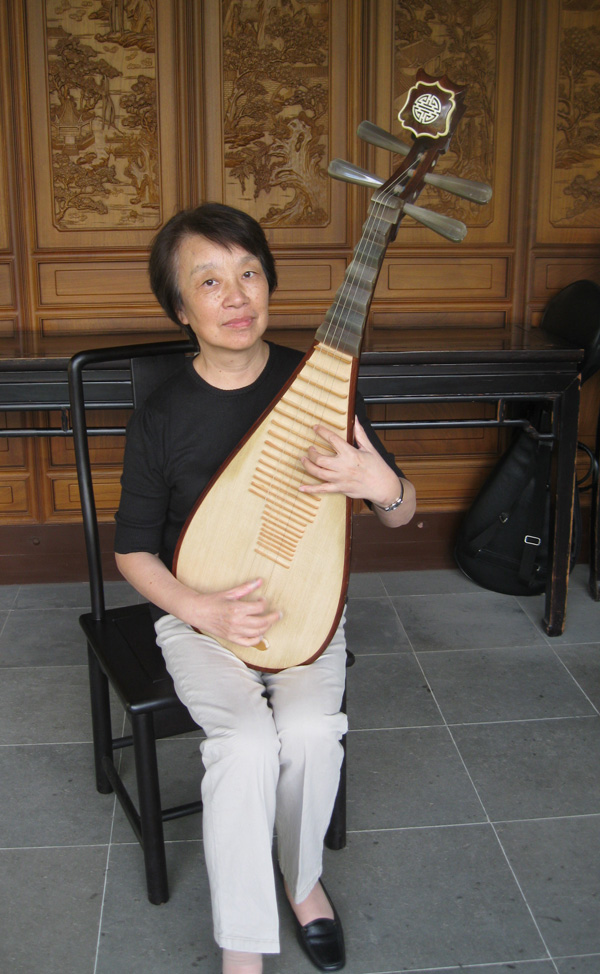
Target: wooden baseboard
42,553
56,552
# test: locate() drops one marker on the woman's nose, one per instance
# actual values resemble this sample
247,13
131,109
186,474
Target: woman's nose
235,293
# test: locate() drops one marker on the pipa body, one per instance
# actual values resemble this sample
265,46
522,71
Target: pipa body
253,522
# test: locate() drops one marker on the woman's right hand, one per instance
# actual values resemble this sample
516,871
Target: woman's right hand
224,615
229,615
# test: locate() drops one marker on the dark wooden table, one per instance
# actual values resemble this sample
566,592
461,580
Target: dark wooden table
481,367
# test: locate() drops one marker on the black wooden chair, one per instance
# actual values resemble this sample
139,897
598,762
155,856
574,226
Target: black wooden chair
574,316
122,650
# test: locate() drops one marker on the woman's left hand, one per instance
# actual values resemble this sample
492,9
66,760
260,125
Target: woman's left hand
357,471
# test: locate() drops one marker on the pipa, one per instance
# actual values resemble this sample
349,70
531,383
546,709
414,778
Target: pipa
252,521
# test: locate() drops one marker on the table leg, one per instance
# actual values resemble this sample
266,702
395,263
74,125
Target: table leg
566,423
595,523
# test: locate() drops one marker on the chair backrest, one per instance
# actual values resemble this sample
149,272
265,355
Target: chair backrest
574,315
150,365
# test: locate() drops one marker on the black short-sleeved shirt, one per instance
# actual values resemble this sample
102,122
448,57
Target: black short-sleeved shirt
179,438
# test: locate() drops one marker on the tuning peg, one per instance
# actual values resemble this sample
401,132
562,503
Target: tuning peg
450,229
349,173
467,189
446,226
383,140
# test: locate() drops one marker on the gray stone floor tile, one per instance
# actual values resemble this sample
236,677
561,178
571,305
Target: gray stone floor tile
72,595
557,864
534,769
430,582
582,621
47,704
8,594
579,965
427,898
583,662
389,691
138,937
503,684
465,621
423,883
406,778
50,918
372,626
48,797
365,585
44,637
61,595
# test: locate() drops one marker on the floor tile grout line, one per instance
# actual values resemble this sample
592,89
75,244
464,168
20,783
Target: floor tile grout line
107,863
468,968
505,855
47,847
5,623
575,681
576,816
525,900
47,743
489,819
475,723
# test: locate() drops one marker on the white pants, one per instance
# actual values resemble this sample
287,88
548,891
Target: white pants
272,757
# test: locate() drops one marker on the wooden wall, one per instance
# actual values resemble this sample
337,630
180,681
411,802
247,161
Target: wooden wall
115,113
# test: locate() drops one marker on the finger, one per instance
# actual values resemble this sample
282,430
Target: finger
360,437
331,437
251,632
320,459
245,589
320,471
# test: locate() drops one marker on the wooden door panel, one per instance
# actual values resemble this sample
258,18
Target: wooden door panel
104,122
569,185
473,44
275,98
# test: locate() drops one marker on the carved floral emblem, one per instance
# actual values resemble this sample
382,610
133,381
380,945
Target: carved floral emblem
428,110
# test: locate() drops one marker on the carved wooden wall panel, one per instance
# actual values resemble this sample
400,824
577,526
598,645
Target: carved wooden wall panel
105,139
569,196
7,263
276,113
474,44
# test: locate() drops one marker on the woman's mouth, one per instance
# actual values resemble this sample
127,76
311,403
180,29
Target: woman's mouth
239,323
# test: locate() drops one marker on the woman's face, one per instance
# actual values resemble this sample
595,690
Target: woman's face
224,294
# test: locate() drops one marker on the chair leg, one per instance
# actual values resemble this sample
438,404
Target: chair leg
101,721
151,823
335,837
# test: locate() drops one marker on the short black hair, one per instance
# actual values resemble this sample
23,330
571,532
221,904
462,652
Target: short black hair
222,224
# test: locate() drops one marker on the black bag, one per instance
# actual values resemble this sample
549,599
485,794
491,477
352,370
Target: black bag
503,540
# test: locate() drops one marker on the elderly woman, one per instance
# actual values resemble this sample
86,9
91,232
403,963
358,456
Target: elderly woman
272,753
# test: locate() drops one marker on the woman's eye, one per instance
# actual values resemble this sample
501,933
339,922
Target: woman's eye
210,281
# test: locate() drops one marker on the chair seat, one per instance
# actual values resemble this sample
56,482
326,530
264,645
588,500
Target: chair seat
125,646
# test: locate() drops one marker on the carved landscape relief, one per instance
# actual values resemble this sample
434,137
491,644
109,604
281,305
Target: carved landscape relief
276,109
576,176
101,69
459,39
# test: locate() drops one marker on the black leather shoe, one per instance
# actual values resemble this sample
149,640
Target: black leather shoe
322,941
